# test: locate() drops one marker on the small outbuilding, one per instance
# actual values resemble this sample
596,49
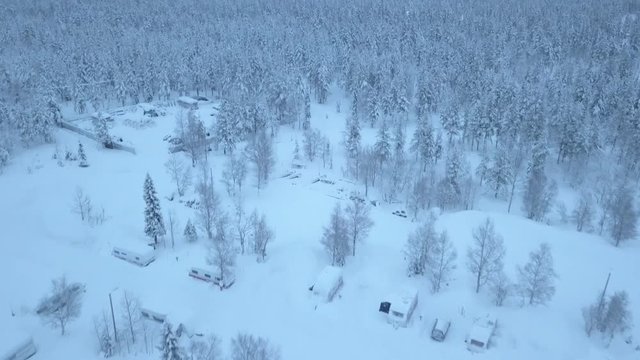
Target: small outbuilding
153,315
399,307
141,257
188,103
328,283
481,332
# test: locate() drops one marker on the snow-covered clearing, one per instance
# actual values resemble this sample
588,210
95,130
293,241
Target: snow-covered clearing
43,239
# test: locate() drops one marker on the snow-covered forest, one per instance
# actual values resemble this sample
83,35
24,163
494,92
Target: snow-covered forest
563,75
484,153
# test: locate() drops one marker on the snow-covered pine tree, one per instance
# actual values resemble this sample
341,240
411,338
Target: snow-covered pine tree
102,131
399,139
451,186
382,147
352,143
306,124
500,173
539,191
82,156
194,138
624,216
423,143
483,169
169,347
227,127
154,225
450,122
296,154
190,233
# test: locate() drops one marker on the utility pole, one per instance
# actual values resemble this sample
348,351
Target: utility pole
115,331
604,291
600,306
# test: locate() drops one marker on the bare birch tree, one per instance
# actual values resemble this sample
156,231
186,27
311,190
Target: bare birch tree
484,258
179,172
62,305
443,256
536,278
335,238
359,222
249,347
262,236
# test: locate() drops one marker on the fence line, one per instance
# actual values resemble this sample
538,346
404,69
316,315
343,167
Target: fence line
92,136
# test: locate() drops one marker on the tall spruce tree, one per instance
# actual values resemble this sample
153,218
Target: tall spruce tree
82,156
169,347
154,225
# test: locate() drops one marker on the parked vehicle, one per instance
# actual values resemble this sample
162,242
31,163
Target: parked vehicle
400,306
440,329
481,332
328,283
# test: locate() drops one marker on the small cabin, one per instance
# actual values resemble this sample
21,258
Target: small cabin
208,276
328,283
188,103
152,315
400,306
481,333
138,258
16,345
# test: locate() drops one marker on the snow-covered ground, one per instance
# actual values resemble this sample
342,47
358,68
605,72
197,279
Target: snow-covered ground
43,239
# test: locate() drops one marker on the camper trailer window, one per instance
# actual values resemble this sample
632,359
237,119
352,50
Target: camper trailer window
207,276
477,343
397,314
137,258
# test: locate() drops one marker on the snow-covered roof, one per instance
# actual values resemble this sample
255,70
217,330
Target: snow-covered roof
101,115
327,280
441,325
187,100
134,245
403,300
482,329
146,106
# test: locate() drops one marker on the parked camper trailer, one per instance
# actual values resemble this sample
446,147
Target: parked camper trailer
399,307
138,258
206,275
481,333
328,283
16,345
